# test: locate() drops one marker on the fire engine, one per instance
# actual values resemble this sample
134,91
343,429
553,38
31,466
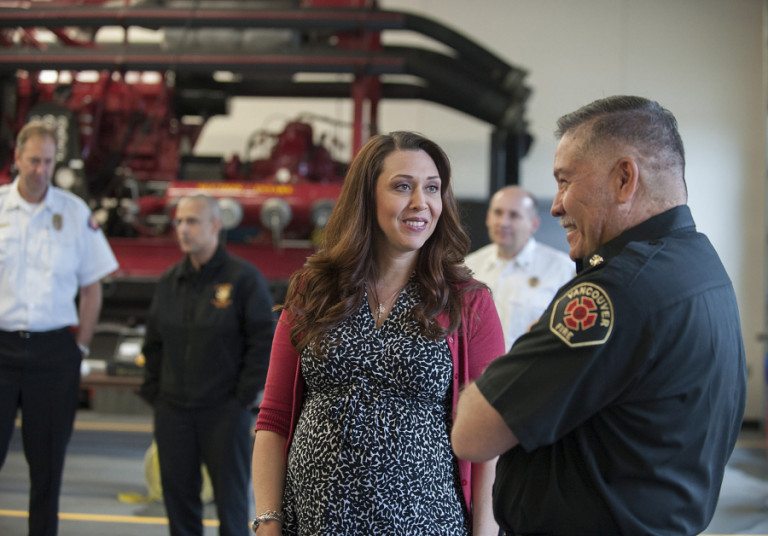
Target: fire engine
130,86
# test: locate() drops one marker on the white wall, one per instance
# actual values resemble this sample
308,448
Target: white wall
702,59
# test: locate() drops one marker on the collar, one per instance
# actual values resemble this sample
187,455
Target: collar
523,259
15,201
187,271
675,219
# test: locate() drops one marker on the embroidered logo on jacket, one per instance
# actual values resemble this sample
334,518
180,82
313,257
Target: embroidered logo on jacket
583,316
222,295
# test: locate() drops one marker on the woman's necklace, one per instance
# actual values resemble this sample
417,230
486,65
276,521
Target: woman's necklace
383,306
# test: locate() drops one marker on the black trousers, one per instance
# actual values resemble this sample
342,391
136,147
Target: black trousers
218,436
40,373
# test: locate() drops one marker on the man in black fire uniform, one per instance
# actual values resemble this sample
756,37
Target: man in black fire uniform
207,345
617,412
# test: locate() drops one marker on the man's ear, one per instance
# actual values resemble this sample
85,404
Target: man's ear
627,177
535,222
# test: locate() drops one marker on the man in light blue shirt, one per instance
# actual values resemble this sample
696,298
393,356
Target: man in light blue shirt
51,249
523,274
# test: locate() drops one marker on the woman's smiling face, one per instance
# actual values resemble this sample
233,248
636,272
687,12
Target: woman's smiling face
408,200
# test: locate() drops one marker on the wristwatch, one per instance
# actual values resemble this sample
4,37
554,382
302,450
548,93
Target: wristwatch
269,515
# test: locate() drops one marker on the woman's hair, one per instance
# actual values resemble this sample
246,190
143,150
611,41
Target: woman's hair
331,285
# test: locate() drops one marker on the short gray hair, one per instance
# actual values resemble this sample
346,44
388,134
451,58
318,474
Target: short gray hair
210,202
636,121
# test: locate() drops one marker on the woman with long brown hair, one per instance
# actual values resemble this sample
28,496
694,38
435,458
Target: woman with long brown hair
378,332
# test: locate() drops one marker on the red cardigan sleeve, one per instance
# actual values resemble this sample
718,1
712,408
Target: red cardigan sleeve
481,341
275,411
485,338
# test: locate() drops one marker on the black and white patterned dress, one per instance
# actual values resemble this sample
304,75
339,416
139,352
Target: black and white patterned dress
371,453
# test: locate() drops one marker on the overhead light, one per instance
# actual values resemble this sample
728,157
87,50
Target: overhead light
151,77
88,76
227,77
48,77
343,78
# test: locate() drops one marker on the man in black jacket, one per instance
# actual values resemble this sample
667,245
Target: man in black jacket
209,334
617,412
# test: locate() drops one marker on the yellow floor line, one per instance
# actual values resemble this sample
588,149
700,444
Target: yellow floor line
113,426
106,518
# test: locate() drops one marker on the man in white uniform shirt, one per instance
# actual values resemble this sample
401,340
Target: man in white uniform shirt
50,248
523,274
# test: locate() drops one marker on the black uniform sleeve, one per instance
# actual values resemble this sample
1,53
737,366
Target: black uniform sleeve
576,360
258,325
153,352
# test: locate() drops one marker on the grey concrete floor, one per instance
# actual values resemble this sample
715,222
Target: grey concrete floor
104,467
105,463
743,504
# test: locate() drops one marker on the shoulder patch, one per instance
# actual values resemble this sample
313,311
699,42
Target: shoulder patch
582,316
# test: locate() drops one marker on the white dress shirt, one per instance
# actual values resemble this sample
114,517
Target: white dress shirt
522,287
48,251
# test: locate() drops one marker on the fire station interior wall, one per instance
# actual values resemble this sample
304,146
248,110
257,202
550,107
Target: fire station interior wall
702,59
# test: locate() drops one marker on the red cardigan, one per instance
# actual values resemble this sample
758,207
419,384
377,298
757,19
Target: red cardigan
473,346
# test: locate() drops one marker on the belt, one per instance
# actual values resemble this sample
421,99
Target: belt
21,334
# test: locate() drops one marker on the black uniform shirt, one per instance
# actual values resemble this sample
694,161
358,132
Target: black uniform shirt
209,333
627,395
